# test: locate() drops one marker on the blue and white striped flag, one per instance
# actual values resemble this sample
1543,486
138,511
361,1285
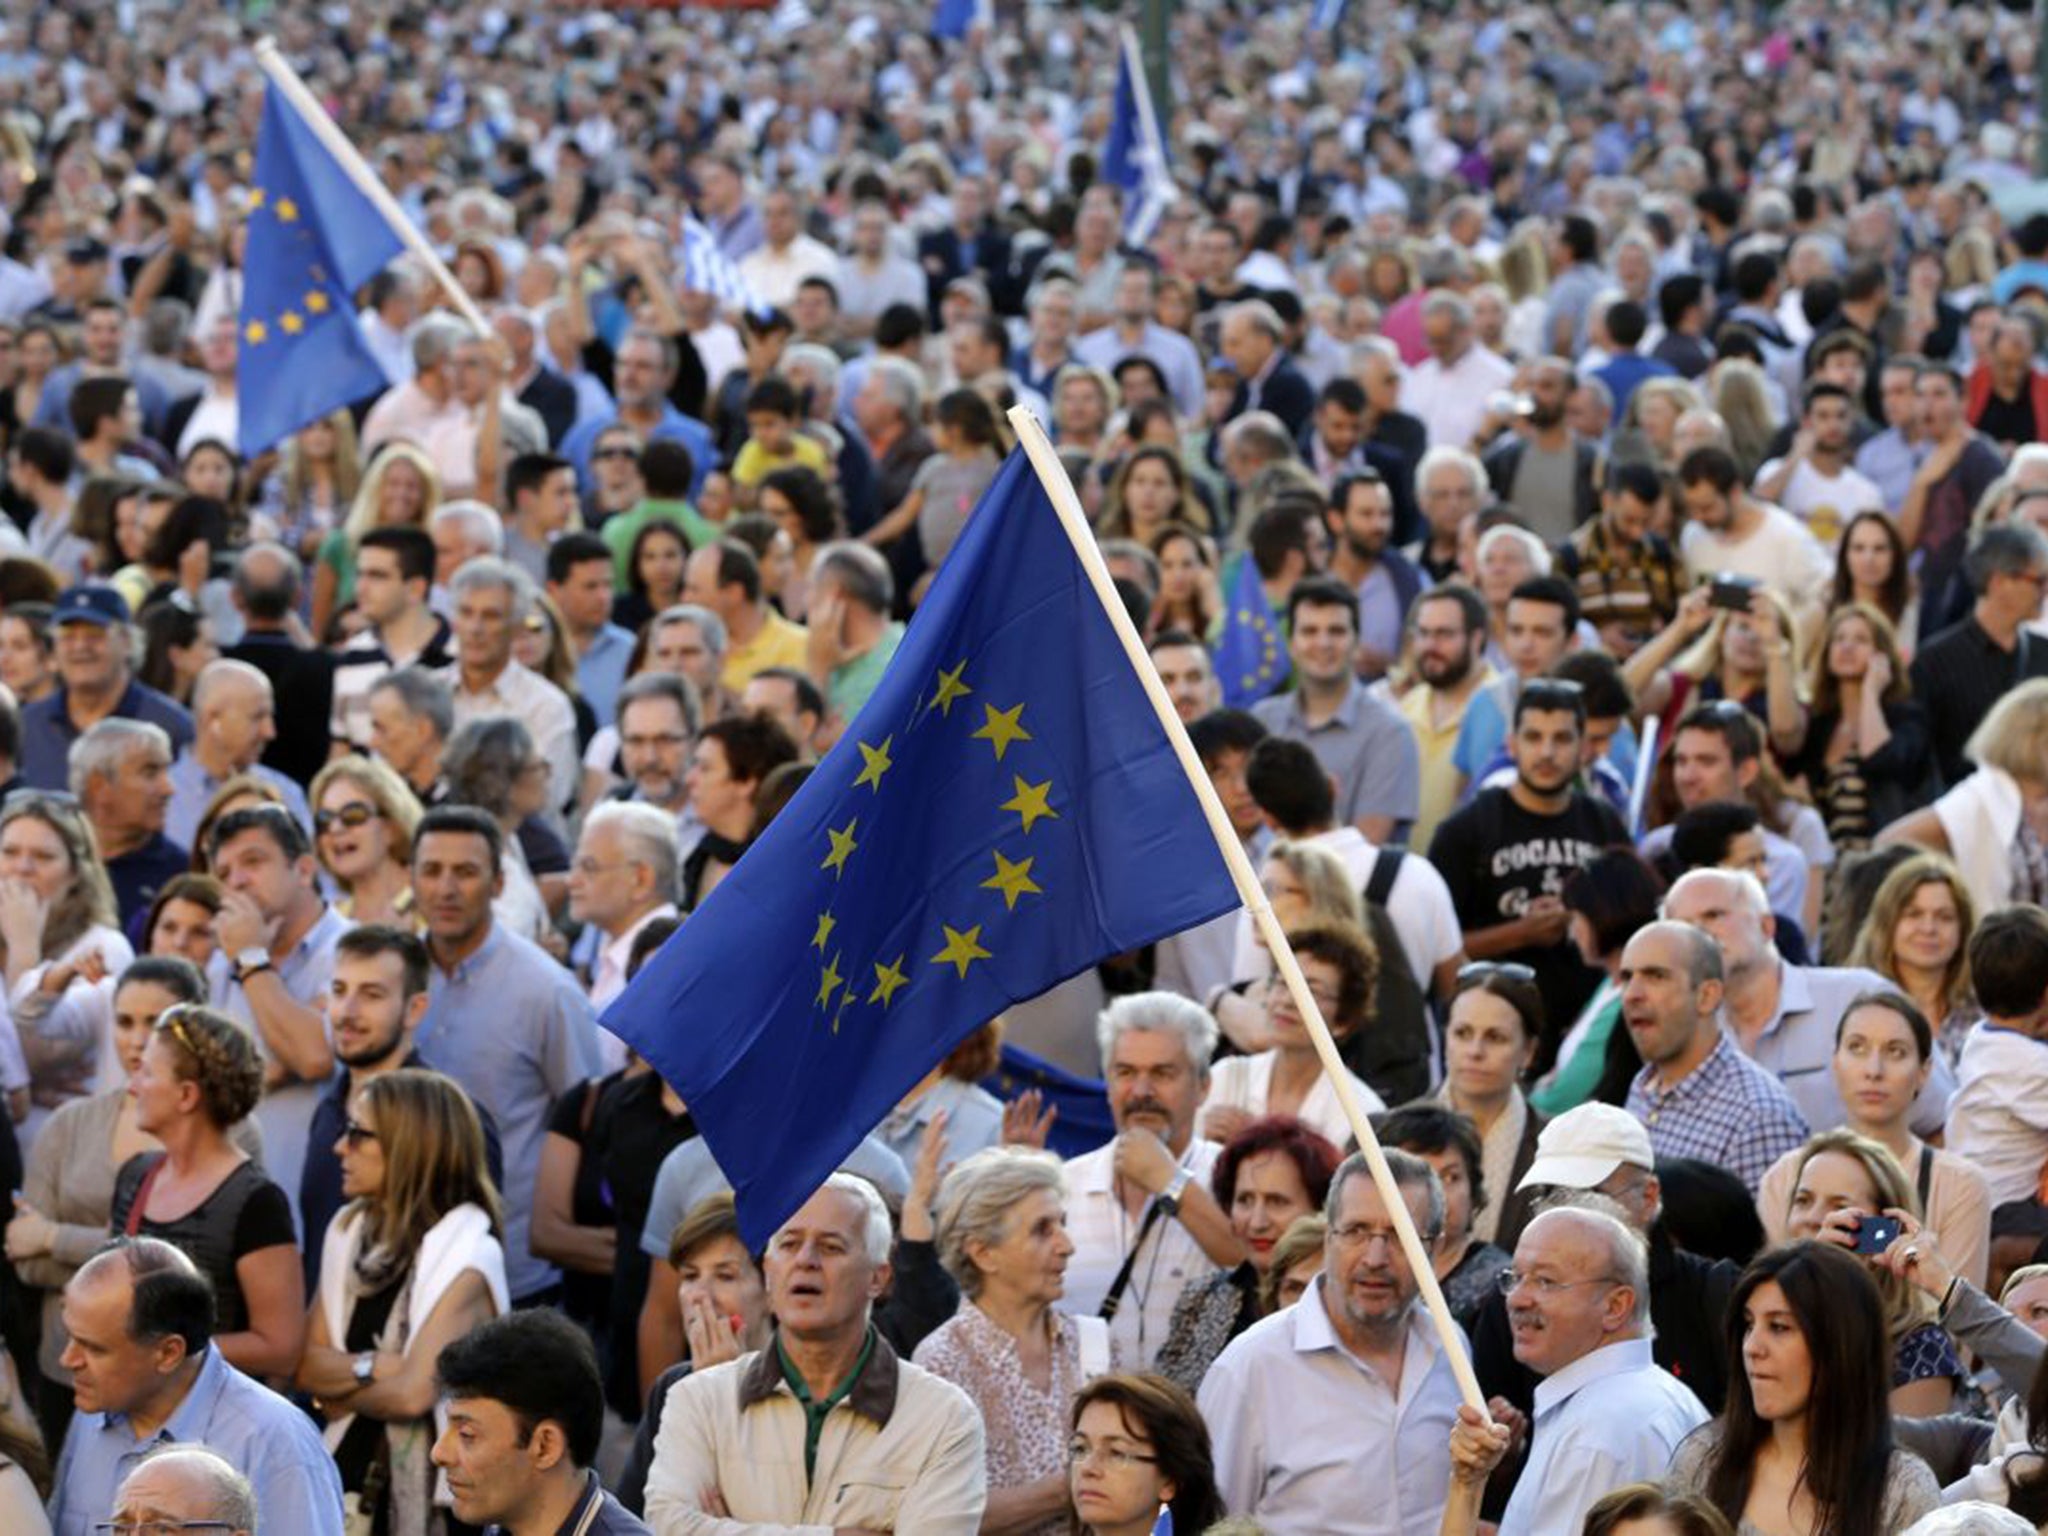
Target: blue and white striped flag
707,269
1134,159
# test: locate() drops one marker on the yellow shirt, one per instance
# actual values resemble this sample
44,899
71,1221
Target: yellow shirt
779,644
1440,786
755,464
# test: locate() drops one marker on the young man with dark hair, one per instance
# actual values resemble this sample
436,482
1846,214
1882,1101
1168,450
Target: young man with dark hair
1507,855
1682,306
1361,521
1542,623
525,1412
1816,481
1361,741
1728,530
1627,324
1934,520
1628,579
540,491
394,575
1450,629
1966,668
1543,469
579,580
1200,962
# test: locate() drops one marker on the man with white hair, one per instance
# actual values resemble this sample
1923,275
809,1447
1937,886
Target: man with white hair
1144,1224
1785,1016
1450,485
234,716
491,600
622,879
462,531
1606,1414
426,401
882,1444
120,776
1255,342
1449,389
183,1488
851,635
532,383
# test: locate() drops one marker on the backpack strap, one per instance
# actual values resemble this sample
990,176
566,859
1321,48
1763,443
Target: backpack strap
1386,869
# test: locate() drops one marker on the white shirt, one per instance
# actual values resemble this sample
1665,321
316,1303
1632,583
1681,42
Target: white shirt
1102,1233
1451,402
609,980
1246,1083
1825,503
774,275
1308,1439
1780,553
545,709
1419,905
1609,1418
1998,1120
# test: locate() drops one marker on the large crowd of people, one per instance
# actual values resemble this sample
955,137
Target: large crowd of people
1629,425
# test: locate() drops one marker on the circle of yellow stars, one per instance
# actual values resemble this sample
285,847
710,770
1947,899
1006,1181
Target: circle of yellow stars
1011,879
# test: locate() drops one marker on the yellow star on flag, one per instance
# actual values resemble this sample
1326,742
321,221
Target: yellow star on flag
256,195
316,303
287,210
887,979
1013,880
290,323
1002,728
877,760
962,949
1030,801
254,332
842,847
950,688
826,923
828,981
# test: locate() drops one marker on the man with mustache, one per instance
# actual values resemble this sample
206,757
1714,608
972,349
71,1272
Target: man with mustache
1144,1224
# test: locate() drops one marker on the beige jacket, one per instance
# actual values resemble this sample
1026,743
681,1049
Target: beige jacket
902,1452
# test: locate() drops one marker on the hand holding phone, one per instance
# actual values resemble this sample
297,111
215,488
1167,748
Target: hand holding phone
1874,1235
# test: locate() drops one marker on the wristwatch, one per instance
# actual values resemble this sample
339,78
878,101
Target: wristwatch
251,960
1169,1198
364,1367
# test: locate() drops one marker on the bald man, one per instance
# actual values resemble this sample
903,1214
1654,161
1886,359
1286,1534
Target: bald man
188,1487
234,715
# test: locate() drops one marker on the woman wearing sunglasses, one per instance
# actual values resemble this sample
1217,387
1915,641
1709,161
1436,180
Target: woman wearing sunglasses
200,1075
363,820
410,1265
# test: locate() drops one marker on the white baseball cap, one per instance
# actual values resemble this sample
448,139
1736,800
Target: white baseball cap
1582,1146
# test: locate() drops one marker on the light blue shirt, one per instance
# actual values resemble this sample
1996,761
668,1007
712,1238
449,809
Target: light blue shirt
1310,1441
1889,462
974,1120
601,671
690,1174
516,1032
1365,746
673,427
262,1436
192,787
1609,1418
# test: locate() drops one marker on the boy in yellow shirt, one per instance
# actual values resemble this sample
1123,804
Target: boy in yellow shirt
773,442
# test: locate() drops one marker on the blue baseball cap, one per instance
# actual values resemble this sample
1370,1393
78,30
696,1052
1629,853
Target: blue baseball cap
90,602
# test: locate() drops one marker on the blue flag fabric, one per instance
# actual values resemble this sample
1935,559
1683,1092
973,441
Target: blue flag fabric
1134,156
1251,660
1163,1526
314,238
1083,1123
955,18
1004,812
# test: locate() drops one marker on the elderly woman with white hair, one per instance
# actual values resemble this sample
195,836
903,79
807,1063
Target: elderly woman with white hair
1002,1234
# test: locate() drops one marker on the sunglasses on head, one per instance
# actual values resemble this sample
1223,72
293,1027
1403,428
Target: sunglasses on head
1479,971
353,815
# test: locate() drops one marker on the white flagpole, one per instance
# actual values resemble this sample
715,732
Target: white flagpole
1159,191
1031,436
315,117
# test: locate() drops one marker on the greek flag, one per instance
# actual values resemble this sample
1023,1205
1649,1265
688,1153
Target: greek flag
707,269
1134,158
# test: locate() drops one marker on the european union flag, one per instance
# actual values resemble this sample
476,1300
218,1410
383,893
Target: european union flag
1251,660
1134,156
955,18
1004,812
314,238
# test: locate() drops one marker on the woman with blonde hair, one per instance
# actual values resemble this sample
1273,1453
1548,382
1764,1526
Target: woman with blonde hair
1305,884
364,816
1746,657
1002,1234
1652,418
411,1264
315,485
58,922
1864,753
1994,824
401,489
1741,397
1917,936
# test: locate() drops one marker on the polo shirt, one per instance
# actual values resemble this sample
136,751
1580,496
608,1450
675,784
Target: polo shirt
1311,1441
47,730
1728,1111
263,1437
1610,1417
1365,746
1438,780
596,1513
779,643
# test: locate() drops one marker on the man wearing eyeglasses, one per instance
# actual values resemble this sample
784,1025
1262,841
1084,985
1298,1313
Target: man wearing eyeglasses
1333,1418
146,1374
1579,1304
186,1488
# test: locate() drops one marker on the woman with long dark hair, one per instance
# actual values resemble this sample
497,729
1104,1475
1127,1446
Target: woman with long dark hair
1804,1444
1871,567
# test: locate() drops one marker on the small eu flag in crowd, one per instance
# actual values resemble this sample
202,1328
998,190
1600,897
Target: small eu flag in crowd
1004,812
314,238
1251,660
1134,156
